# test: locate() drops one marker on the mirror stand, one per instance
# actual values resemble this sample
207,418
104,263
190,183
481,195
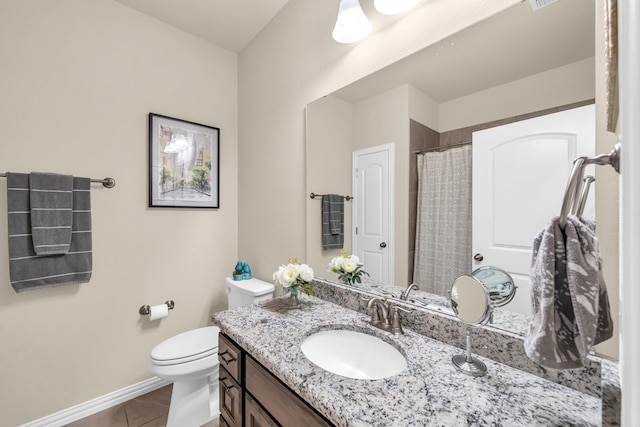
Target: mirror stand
467,363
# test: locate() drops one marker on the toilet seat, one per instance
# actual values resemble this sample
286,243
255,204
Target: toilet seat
186,347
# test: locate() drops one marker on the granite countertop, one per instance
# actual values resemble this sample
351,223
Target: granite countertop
431,391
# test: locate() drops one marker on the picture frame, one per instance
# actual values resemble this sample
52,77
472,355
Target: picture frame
184,163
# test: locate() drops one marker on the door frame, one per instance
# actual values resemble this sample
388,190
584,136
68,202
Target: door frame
390,149
629,67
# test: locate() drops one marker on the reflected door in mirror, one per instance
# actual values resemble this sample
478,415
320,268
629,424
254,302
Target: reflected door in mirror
372,210
520,171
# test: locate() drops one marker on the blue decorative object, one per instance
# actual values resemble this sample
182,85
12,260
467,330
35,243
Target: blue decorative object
238,273
246,271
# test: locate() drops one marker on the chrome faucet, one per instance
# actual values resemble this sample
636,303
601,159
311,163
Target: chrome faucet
385,315
405,294
379,309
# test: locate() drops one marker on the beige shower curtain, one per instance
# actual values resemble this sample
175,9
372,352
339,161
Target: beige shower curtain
443,226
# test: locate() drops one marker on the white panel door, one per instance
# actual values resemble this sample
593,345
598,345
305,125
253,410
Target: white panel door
372,213
520,172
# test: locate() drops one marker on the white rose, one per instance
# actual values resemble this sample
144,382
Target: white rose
278,274
306,273
335,264
349,264
289,275
355,259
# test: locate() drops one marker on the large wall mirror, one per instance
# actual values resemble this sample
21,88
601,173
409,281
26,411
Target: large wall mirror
517,64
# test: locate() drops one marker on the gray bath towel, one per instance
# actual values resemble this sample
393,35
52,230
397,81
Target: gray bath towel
51,197
332,221
570,305
27,270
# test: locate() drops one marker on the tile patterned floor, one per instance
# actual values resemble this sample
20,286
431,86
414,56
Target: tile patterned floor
148,410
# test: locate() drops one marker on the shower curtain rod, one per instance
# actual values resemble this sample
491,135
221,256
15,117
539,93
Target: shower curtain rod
444,148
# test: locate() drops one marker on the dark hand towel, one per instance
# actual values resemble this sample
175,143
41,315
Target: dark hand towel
51,197
570,306
27,270
332,221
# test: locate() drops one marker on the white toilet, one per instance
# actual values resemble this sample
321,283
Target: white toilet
190,361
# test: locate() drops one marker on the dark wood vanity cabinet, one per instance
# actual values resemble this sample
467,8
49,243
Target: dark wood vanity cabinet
250,396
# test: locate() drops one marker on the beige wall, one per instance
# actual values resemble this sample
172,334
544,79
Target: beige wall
335,129
77,81
382,119
423,109
559,86
328,165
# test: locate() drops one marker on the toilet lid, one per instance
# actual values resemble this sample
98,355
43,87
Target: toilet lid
187,346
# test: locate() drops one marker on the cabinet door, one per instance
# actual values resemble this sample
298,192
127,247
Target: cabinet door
255,416
283,405
230,399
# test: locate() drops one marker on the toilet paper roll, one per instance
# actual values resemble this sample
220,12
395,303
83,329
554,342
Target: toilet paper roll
158,311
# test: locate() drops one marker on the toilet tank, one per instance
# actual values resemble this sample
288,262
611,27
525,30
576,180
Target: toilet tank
245,292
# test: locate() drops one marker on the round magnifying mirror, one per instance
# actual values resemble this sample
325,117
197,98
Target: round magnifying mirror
470,300
498,283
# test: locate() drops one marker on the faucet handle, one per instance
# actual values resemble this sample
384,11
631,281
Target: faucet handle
396,324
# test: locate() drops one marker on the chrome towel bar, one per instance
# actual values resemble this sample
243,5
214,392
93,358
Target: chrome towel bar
575,196
107,182
314,195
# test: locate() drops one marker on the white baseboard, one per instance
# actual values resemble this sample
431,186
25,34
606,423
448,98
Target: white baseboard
98,404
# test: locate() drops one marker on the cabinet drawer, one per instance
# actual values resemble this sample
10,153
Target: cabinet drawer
254,415
230,399
284,406
230,357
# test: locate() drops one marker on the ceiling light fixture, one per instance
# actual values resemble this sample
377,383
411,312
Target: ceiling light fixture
394,7
352,24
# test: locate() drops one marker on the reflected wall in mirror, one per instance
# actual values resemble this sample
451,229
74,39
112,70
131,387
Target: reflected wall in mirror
514,65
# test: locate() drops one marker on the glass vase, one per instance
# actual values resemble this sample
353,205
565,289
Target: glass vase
292,301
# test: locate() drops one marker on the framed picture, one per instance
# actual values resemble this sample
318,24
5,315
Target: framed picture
184,163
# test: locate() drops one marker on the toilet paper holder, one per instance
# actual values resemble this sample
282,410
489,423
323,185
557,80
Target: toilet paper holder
144,310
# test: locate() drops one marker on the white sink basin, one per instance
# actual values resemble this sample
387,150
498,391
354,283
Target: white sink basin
353,354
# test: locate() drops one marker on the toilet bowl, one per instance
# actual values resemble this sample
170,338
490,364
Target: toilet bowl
190,361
